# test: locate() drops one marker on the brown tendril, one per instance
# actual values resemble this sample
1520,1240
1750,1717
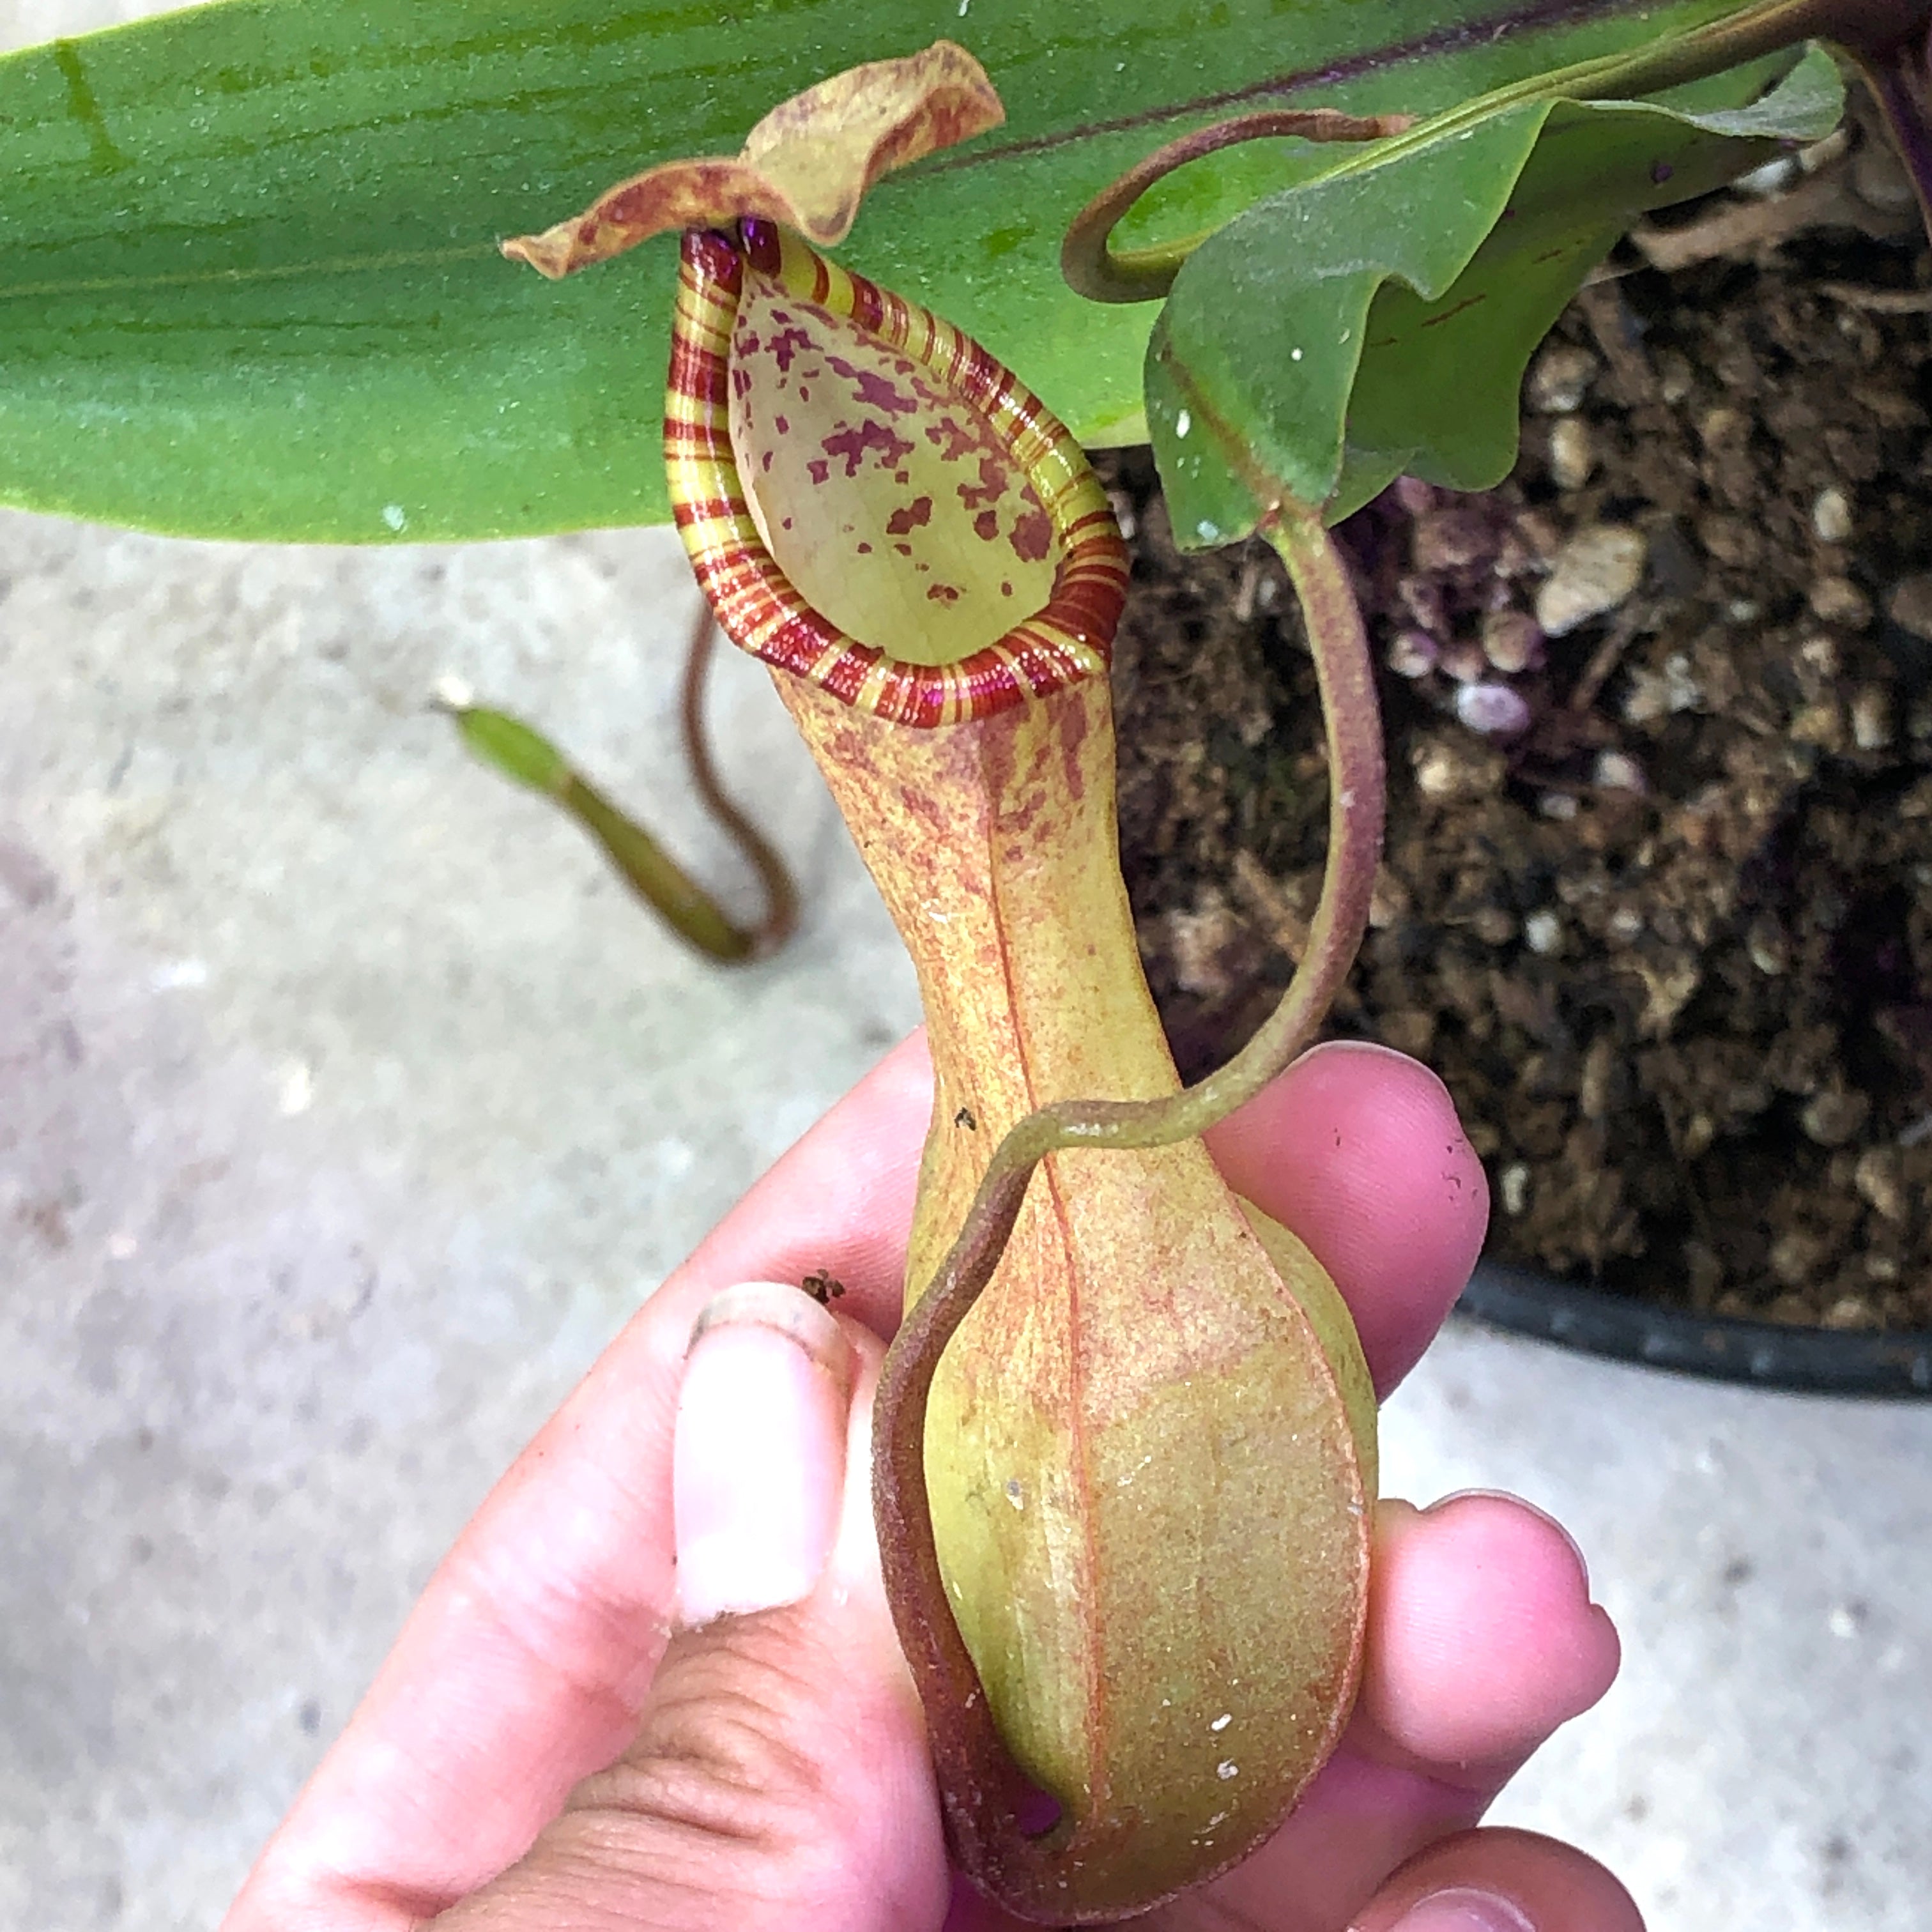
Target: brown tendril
1900,76
519,752
781,917
1093,269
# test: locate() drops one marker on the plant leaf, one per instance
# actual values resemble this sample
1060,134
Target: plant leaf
807,163
1377,318
518,751
249,286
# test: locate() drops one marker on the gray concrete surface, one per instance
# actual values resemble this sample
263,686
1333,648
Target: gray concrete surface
346,1107
1765,1760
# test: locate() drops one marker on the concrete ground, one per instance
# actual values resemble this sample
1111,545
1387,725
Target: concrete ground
347,1107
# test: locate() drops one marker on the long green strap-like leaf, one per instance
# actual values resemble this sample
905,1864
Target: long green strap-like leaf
249,283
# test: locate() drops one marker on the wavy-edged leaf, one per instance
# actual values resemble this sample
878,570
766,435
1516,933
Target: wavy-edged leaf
1377,318
249,276
807,163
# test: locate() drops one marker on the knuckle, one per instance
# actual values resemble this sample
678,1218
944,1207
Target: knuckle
731,1753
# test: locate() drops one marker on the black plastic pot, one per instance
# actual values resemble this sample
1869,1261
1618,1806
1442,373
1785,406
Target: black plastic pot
1766,1354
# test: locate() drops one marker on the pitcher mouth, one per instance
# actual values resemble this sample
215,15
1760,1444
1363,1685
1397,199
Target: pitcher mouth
1068,637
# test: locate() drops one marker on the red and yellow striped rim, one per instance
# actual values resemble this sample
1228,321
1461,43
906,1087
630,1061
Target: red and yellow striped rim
1069,639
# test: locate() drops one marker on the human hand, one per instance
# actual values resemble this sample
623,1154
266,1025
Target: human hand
656,1683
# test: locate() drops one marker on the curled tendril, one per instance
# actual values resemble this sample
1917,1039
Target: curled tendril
1094,269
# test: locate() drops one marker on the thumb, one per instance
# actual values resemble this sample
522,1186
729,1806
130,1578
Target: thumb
779,1777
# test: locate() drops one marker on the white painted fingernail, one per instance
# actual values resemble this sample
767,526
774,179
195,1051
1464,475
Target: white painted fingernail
758,1460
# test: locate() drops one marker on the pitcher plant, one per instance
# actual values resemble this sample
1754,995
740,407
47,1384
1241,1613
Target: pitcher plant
1125,1457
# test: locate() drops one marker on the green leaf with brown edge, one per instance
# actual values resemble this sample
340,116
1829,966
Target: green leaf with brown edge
1377,317
249,282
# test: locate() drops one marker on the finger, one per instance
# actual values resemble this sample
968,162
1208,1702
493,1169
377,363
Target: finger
1482,1641
1500,1881
534,1643
779,1776
1358,1151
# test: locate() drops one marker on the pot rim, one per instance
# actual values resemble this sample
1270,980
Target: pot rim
1893,1366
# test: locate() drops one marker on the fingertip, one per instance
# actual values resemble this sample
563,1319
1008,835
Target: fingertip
1482,1638
1499,1879
898,1084
1359,1151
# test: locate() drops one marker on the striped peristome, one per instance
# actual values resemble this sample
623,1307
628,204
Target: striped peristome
1067,639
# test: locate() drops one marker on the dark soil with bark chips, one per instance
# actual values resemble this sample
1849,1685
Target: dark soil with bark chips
1657,901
